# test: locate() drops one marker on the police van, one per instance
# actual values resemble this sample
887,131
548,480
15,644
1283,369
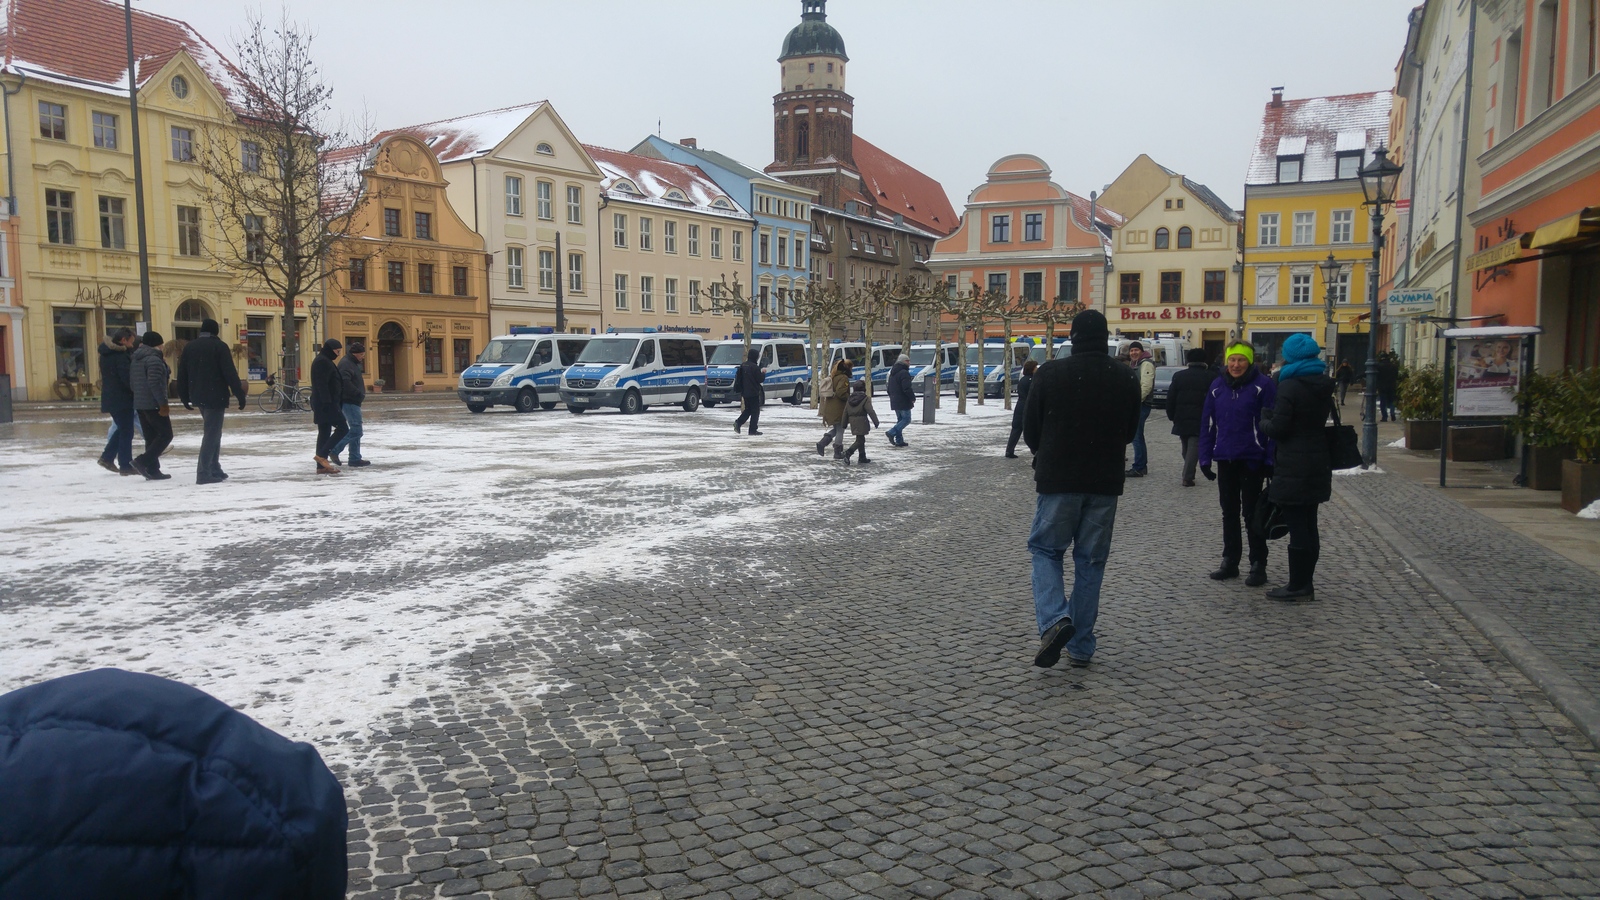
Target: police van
992,357
521,369
632,371
882,355
783,359
922,354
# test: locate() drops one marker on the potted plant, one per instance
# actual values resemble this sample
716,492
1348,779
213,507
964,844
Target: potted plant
1545,448
377,386
1574,416
1421,391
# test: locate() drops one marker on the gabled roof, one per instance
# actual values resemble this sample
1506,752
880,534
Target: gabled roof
895,187
82,43
470,136
732,165
646,179
1103,216
1319,128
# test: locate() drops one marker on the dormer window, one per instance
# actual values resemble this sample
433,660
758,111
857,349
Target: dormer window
1289,169
545,149
1349,166
678,196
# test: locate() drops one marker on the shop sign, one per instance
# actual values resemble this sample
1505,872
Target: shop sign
1284,319
1486,377
461,327
1183,313
684,329
1409,303
1498,255
272,301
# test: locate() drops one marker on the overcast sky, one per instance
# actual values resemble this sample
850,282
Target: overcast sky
949,86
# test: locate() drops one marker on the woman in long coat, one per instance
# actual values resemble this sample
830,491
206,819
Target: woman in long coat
832,407
1302,477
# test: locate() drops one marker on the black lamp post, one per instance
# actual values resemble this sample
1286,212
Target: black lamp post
1379,179
1330,331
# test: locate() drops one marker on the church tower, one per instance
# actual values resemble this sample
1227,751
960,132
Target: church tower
813,116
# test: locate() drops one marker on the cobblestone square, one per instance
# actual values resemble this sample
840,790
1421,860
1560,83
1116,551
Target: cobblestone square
603,656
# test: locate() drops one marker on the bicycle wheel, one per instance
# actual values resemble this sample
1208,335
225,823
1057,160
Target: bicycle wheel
268,400
302,399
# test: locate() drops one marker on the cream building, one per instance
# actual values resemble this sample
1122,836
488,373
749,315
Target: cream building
1175,255
670,234
531,192
70,176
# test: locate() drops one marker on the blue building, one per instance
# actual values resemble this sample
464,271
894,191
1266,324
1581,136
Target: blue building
780,241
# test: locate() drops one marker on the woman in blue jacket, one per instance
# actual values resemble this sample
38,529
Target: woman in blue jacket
1231,436
1302,467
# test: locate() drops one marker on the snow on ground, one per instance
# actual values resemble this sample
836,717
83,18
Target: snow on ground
323,644
1371,470
1397,445
1592,511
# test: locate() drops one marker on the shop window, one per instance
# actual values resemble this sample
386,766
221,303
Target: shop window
71,336
462,357
433,356
256,346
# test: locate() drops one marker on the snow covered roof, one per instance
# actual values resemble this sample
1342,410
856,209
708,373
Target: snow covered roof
469,136
1106,217
82,43
1319,129
896,187
646,179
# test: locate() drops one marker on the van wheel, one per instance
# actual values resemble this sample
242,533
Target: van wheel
548,406
477,407
799,395
632,405
577,410
527,400
692,402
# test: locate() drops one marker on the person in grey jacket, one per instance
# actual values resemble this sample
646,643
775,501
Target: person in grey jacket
353,392
150,374
857,411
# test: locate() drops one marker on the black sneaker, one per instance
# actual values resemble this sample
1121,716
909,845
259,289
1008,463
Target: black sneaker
108,465
139,467
1134,473
1077,663
360,463
1050,643
1293,595
1258,575
1228,570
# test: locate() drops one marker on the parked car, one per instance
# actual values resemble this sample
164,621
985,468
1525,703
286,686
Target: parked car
1158,398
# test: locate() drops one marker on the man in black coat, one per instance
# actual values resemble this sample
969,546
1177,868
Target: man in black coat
1082,413
1388,386
747,381
327,405
206,376
1186,404
901,399
116,399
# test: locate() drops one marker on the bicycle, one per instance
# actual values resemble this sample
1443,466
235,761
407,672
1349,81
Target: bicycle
282,398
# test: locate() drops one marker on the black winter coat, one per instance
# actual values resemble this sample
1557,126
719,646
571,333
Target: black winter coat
1024,385
1388,377
1081,415
206,374
1186,398
116,379
1302,469
327,389
901,396
353,388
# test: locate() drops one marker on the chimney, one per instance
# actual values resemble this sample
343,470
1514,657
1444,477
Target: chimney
1277,96
691,143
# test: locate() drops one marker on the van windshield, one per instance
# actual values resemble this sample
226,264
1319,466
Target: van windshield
921,356
729,354
500,353
608,352
993,354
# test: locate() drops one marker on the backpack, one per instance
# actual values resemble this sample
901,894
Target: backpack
825,391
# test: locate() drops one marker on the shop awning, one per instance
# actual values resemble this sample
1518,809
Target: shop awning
1582,227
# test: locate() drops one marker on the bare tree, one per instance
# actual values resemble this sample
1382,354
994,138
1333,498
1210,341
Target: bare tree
821,308
281,207
1009,310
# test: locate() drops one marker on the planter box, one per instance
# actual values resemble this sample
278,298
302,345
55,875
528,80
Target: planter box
1422,434
1580,485
1476,443
1544,467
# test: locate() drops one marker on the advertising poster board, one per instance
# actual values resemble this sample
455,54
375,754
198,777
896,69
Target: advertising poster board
1487,376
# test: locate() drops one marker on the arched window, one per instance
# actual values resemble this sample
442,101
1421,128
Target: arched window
802,141
186,321
1163,239
546,149
391,331
1185,238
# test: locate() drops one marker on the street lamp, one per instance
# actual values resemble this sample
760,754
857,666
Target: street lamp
1379,179
1330,274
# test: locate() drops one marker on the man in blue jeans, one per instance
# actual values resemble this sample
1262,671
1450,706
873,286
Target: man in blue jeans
901,399
353,375
1082,413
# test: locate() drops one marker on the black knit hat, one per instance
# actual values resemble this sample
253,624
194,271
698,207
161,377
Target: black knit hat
210,326
1089,331
1196,355
153,339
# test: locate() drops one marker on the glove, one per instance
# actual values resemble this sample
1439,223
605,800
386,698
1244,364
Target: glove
188,405
1206,471
241,404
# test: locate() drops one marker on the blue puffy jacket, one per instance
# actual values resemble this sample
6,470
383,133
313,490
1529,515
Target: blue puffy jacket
127,786
1230,423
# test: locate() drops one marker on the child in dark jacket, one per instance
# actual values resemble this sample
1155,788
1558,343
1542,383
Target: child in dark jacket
857,411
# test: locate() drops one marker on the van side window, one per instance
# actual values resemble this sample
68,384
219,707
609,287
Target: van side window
646,355
791,355
889,356
766,357
694,353
570,351
541,356
671,353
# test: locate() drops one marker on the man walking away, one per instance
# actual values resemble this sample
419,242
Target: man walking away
150,374
857,411
747,383
1023,387
1082,412
1388,385
116,399
1344,376
352,392
206,376
1146,369
901,399
1186,400
327,409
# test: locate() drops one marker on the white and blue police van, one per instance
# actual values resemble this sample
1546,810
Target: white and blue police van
922,356
782,357
882,355
1042,354
521,370
632,371
993,357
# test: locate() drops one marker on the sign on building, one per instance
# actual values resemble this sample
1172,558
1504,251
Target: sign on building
1487,374
1409,303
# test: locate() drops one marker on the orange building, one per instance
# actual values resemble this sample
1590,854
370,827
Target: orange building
1536,228
1025,235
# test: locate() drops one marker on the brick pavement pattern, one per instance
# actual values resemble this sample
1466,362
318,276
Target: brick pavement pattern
844,707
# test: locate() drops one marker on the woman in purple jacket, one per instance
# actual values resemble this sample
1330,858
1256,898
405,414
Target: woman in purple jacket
1231,437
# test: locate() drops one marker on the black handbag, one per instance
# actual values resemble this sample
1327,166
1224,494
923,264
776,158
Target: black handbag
1343,449
1268,520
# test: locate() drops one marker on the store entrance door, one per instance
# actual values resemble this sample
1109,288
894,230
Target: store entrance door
390,338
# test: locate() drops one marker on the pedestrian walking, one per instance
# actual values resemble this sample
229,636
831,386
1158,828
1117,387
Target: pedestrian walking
901,399
1344,375
327,405
206,376
1231,438
352,393
1024,385
1186,402
1388,385
1302,476
150,375
116,399
834,392
858,412
747,383
1082,413
1145,367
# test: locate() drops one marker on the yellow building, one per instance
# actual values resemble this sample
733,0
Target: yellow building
70,178
411,283
1174,255
1303,201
